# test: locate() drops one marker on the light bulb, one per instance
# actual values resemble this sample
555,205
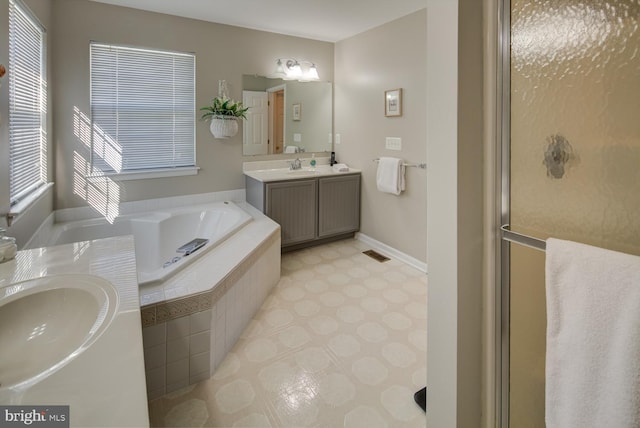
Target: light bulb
295,71
280,71
312,74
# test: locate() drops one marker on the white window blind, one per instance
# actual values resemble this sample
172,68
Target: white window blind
27,103
142,109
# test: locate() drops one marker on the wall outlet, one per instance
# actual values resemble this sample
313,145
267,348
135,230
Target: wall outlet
338,140
393,143
297,138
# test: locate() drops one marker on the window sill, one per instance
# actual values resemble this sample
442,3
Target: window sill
16,210
143,175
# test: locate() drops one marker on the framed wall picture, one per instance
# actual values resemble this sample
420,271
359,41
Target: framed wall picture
393,102
297,111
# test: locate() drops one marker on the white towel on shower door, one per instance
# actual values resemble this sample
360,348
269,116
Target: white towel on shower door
593,337
390,175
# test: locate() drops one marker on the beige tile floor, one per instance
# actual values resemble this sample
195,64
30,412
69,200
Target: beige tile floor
340,341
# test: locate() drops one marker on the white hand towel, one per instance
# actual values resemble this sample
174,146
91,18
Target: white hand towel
291,149
390,175
593,337
340,167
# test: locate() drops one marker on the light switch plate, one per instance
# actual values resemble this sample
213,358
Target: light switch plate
338,140
393,143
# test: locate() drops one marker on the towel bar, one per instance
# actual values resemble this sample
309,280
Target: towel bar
415,165
518,238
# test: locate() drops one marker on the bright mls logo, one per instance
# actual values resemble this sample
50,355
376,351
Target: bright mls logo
34,416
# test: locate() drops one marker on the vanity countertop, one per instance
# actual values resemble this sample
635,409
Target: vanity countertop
105,384
278,172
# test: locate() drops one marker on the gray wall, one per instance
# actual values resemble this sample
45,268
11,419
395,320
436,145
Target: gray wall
222,52
387,57
470,218
455,225
23,227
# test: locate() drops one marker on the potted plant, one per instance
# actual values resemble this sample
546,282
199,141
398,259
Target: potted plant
224,114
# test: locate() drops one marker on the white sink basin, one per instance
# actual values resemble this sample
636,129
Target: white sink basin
266,175
46,322
302,172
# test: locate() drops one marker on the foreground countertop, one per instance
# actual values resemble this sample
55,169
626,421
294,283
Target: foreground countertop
104,385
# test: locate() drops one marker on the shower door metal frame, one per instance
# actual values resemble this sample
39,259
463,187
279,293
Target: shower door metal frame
503,185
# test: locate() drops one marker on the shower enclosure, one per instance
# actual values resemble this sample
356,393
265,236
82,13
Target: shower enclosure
570,164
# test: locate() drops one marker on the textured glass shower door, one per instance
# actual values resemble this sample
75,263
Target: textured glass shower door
572,161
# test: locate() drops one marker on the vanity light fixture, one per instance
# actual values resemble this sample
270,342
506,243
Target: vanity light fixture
313,73
293,69
295,72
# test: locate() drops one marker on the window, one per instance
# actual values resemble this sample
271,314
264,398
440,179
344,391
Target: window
27,104
142,109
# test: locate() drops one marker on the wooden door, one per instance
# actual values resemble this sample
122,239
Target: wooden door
277,125
255,127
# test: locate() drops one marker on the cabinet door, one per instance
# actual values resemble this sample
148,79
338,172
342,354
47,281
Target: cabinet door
339,202
293,205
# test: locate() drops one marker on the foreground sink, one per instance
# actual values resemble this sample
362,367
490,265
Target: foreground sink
46,322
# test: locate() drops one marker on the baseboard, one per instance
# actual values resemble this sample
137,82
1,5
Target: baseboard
392,252
315,242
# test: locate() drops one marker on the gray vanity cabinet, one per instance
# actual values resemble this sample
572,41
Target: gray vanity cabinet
293,205
310,210
338,205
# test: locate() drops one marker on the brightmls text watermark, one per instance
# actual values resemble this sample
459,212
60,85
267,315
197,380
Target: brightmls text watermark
34,416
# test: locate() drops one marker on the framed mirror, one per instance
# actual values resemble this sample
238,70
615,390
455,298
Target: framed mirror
286,116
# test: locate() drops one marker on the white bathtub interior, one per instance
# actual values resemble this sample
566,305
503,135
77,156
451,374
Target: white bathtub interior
157,235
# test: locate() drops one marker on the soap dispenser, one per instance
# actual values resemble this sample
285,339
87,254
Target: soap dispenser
313,162
8,247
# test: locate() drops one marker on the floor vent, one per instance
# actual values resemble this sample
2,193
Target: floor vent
376,256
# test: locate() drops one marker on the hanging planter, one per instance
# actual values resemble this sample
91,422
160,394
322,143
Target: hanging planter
223,126
224,114
2,71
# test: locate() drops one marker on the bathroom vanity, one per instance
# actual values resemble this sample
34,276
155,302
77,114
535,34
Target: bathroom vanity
311,206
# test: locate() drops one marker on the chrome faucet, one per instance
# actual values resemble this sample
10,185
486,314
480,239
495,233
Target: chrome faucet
9,217
295,164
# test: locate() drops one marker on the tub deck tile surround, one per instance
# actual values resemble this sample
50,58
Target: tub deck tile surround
200,285
164,311
225,287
